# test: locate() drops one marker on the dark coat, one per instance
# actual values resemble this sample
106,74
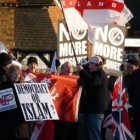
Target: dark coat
11,118
19,129
95,91
134,89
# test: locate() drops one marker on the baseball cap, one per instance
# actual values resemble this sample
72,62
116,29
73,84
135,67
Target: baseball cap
95,59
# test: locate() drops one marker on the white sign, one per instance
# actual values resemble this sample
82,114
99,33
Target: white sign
7,100
109,43
36,101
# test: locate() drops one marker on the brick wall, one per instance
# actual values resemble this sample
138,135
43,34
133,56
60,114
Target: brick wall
7,27
55,15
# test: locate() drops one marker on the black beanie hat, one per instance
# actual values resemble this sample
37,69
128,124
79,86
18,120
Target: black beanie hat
133,62
31,60
5,59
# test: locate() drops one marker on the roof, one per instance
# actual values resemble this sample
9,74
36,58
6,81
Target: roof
37,1
34,30
28,1
10,1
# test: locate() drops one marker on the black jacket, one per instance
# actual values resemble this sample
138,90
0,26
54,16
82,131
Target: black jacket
11,118
95,91
134,89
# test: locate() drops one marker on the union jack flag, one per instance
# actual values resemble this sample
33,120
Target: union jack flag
119,114
107,122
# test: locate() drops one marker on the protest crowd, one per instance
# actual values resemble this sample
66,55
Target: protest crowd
81,101
94,102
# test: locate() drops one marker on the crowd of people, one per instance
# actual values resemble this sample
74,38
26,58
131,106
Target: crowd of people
96,89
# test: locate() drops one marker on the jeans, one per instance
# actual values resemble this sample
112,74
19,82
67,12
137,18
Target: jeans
92,122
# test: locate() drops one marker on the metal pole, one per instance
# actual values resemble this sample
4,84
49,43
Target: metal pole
120,106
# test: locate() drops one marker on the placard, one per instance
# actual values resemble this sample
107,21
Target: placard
65,40
36,101
109,43
7,100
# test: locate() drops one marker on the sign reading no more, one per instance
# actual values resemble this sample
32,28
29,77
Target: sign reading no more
79,41
109,43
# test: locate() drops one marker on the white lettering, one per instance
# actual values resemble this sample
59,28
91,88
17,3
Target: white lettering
98,47
63,33
113,53
119,54
106,50
101,32
88,4
84,47
67,50
78,4
112,65
70,49
63,49
114,5
72,60
80,48
101,3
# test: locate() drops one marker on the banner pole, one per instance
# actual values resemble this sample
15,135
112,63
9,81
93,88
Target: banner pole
68,32
120,105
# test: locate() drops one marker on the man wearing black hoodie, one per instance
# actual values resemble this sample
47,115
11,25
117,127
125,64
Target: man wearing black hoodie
95,89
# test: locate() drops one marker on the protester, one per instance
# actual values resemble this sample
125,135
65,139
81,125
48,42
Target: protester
134,100
9,119
67,69
132,65
108,98
5,62
32,64
95,87
31,71
65,130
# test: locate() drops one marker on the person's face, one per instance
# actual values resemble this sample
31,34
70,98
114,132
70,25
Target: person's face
15,76
32,67
131,68
92,67
67,69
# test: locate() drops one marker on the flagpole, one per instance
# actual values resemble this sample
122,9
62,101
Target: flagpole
120,105
68,32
